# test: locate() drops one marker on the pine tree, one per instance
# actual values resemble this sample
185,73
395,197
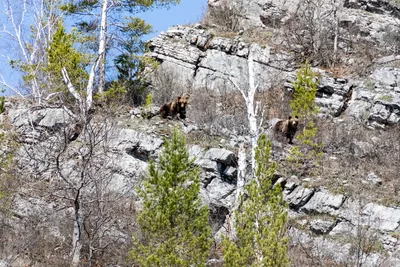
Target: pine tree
173,222
111,29
62,54
260,220
303,105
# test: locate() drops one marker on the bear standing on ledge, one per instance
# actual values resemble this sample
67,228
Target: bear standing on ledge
178,106
287,127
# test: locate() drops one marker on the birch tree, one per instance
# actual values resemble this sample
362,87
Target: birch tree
27,31
253,113
108,12
312,32
256,225
82,181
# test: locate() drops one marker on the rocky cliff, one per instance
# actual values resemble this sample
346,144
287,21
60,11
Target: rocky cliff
345,214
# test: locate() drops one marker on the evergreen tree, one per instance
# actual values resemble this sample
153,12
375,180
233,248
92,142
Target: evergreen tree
260,220
303,105
131,60
111,24
173,222
62,54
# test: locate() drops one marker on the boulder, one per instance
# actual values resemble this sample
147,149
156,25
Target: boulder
299,197
381,217
322,227
323,202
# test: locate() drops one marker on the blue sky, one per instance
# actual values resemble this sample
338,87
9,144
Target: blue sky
188,11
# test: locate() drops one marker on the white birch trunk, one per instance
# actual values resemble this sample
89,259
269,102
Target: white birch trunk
102,46
72,90
84,106
77,234
89,88
252,111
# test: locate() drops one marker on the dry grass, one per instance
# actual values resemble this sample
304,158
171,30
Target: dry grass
352,151
227,18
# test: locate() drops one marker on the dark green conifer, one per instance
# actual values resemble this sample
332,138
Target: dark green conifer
261,219
174,229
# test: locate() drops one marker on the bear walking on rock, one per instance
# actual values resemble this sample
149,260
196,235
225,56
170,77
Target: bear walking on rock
178,106
287,127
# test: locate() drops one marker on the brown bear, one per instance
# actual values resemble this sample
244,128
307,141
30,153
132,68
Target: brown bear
178,106
287,127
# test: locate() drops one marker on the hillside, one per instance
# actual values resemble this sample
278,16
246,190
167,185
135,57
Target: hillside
344,210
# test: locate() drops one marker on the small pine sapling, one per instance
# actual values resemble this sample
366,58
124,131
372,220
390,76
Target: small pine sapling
174,229
308,153
261,220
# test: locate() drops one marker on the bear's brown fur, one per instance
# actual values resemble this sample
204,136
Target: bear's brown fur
178,106
287,127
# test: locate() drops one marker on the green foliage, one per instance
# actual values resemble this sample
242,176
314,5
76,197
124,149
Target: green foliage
130,62
62,53
309,152
173,223
305,92
113,97
132,46
261,219
147,105
127,31
2,101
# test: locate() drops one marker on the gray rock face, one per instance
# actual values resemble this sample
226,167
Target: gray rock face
131,149
195,55
387,76
361,149
321,227
135,143
323,202
380,217
374,179
202,61
219,179
299,196
370,18
377,100
42,117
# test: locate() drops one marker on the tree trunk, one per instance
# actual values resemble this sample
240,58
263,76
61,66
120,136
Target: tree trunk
102,46
251,113
335,41
77,234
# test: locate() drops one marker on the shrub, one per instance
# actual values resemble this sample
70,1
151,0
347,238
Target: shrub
308,153
261,219
173,222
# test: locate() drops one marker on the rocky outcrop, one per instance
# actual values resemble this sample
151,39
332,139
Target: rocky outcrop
369,19
377,99
193,55
316,211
